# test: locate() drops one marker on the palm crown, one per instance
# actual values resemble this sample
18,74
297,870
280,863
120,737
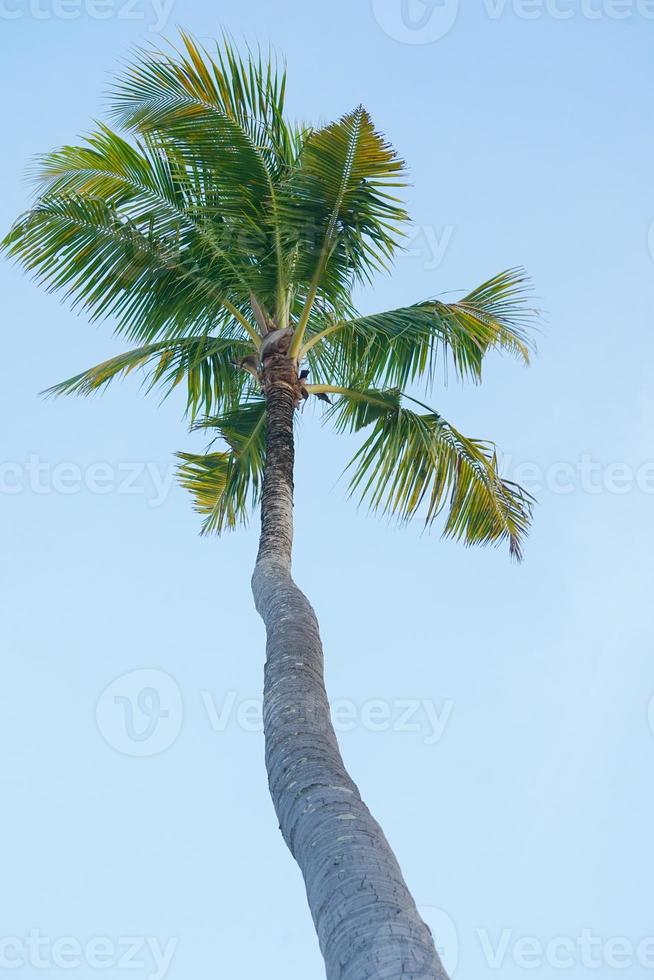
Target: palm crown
215,230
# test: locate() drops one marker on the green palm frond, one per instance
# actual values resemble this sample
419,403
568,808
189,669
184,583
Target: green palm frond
399,346
184,91
205,364
143,180
340,219
226,485
106,264
149,190
225,118
417,464
340,193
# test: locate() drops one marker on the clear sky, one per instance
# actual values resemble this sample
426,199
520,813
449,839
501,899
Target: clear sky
494,716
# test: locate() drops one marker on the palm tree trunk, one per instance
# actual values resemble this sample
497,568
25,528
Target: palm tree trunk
367,922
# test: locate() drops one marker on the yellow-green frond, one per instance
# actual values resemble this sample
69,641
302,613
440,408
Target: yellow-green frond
204,364
226,485
404,345
417,465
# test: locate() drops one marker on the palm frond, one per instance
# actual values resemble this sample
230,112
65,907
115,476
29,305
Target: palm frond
224,115
150,190
226,485
145,181
180,90
340,220
205,364
417,464
399,346
110,267
345,174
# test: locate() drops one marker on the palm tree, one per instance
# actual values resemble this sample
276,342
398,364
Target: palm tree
226,242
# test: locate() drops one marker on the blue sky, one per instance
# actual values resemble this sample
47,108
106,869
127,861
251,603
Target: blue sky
494,716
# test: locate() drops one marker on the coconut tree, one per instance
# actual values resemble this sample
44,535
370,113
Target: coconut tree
226,242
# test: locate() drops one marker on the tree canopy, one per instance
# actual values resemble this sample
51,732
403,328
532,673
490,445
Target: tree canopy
203,222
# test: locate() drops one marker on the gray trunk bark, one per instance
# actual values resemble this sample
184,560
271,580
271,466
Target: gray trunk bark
367,922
